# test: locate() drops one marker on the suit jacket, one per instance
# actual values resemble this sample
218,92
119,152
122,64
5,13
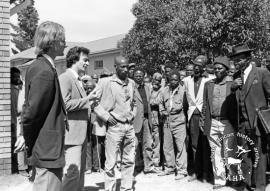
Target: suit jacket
194,101
138,120
207,109
256,91
77,105
43,116
106,93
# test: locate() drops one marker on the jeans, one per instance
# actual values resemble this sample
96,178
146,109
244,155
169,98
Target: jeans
120,135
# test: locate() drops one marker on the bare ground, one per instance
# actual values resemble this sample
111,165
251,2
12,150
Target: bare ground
95,182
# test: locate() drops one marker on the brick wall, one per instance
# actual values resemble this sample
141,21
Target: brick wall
5,131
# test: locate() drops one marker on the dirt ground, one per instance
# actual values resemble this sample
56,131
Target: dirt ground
95,182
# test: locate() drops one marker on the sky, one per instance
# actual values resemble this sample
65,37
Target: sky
88,20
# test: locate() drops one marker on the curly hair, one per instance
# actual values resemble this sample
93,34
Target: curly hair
74,53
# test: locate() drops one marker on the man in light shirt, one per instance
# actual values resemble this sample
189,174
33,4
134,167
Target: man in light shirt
115,112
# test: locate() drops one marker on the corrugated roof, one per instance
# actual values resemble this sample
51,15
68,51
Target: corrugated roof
105,44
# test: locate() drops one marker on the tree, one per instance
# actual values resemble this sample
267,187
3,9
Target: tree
27,23
152,42
178,30
218,24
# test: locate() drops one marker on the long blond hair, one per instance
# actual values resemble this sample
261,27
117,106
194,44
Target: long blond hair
47,34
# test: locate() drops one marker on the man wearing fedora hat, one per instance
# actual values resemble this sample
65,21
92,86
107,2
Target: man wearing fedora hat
216,120
252,88
199,160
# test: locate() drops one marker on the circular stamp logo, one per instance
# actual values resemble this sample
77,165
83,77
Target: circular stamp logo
236,148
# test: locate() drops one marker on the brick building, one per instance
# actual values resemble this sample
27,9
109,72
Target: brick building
5,118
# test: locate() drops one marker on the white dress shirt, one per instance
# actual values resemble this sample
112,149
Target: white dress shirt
76,76
246,72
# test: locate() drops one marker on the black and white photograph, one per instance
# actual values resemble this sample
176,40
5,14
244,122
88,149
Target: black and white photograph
135,95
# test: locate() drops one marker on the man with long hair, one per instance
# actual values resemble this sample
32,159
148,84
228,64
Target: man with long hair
44,114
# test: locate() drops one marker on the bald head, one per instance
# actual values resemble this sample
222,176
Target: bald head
120,60
121,67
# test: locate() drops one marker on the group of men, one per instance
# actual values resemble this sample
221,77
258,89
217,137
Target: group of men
175,122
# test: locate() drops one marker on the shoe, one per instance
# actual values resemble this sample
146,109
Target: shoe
166,172
179,176
192,178
153,170
218,186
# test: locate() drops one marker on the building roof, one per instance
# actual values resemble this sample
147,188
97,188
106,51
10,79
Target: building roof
97,46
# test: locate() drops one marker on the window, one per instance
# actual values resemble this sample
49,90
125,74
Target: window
98,64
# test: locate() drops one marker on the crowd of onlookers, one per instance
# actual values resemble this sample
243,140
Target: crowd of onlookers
198,122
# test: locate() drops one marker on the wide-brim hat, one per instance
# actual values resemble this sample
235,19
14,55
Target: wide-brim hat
200,60
240,49
224,60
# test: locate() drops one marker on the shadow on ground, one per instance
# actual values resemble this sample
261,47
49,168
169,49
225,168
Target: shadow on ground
100,186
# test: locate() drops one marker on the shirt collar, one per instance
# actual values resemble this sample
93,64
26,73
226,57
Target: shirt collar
225,80
248,69
116,79
139,85
49,59
74,73
175,90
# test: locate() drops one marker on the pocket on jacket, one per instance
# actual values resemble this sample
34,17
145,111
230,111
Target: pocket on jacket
48,145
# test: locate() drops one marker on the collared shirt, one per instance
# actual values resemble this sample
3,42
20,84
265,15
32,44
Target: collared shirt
123,93
197,86
196,89
246,72
172,102
49,59
219,96
76,76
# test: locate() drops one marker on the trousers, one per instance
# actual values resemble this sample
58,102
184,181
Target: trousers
120,137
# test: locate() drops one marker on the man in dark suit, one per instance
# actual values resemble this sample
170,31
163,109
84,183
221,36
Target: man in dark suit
143,122
77,105
252,88
44,115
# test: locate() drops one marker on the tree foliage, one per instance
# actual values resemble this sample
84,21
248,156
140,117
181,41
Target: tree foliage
27,23
178,30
